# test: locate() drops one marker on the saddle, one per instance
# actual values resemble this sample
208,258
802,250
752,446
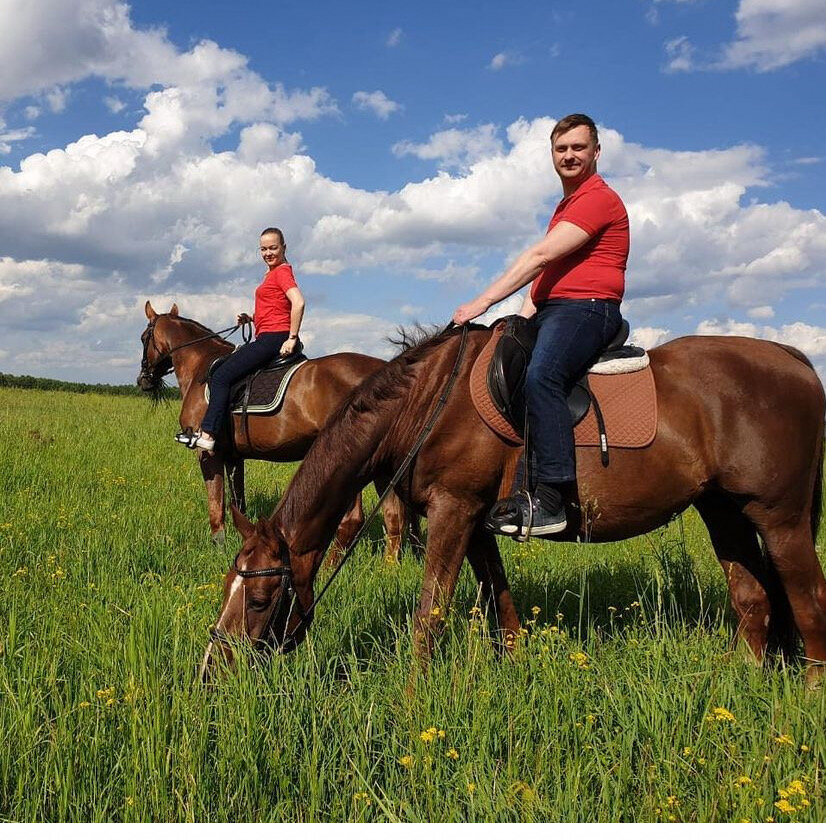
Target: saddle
498,378
262,390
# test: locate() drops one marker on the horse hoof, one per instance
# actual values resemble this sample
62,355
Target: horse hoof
219,538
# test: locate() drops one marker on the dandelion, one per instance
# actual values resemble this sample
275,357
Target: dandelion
361,797
672,801
743,781
471,787
105,693
406,761
554,629
452,754
687,751
722,715
784,807
590,718
535,610
129,801
760,802
84,704
580,659
435,612
784,740
804,747
429,735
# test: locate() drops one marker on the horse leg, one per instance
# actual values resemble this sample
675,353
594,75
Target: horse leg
449,527
790,546
235,477
212,469
347,529
486,561
393,511
757,597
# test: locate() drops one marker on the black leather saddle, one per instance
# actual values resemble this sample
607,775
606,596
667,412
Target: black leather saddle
509,366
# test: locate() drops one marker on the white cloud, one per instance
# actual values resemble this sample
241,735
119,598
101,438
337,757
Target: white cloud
770,34
807,338
394,38
114,104
649,337
377,102
761,312
505,59
455,147
454,119
12,135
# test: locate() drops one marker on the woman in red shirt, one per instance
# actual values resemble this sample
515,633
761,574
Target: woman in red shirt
279,308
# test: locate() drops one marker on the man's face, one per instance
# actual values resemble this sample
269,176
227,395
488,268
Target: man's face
575,155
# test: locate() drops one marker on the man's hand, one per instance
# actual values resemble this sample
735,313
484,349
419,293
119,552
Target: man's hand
469,311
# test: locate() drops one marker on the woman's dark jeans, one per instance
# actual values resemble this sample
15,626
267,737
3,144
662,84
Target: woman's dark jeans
571,334
246,358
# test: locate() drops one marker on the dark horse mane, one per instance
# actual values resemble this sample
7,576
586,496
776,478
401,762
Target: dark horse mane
345,431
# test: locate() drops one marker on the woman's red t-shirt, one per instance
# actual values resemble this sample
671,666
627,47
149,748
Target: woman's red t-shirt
597,269
272,306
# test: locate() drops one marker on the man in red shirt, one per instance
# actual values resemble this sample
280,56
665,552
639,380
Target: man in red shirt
578,278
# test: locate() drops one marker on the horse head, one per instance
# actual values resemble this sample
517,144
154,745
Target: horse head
264,596
156,362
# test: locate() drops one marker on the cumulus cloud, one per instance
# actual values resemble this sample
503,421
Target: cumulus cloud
806,337
377,102
504,59
455,147
770,34
89,230
395,37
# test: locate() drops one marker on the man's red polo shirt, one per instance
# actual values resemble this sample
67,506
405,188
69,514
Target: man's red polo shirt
597,269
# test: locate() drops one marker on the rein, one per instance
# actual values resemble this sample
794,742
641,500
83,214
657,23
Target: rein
285,570
246,333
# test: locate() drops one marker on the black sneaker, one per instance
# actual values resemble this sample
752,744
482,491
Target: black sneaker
514,517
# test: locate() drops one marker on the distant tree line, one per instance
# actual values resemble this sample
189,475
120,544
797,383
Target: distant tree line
36,383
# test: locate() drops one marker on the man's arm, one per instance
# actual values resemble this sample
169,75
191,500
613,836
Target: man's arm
563,239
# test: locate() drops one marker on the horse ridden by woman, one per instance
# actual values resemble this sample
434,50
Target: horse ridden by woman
740,429
318,387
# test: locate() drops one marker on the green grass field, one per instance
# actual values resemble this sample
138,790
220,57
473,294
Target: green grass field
627,701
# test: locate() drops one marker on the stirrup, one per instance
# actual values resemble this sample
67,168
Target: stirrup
187,438
506,516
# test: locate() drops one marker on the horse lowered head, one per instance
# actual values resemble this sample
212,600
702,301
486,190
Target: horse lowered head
265,597
156,362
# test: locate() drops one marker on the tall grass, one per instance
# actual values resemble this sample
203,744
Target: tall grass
626,701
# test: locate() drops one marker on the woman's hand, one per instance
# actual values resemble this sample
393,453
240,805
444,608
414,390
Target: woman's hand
288,347
243,318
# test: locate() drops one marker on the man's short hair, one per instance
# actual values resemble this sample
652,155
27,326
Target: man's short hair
572,121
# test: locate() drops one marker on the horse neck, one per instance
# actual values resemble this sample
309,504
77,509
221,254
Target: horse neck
370,436
191,363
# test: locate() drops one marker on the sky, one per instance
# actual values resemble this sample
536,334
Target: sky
403,150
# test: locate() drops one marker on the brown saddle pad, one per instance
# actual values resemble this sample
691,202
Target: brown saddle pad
628,402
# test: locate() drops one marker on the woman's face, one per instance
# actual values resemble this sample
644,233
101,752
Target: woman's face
272,250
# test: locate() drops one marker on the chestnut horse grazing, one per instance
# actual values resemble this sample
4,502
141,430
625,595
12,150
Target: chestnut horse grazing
739,436
171,342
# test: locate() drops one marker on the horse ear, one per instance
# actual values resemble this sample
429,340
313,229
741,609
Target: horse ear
242,524
151,314
268,529
174,310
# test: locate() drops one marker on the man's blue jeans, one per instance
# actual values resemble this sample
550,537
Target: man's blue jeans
571,334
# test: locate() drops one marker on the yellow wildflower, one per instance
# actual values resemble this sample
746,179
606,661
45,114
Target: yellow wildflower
452,754
672,801
687,750
804,747
429,735
785,807
471,787
580,659
84,704
361,797
535,610
722,715
406,761
744,780
129,801
784,740
21,572
435,611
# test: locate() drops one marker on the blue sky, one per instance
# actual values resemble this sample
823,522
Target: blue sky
403,149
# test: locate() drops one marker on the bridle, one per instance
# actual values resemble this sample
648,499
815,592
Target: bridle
287,590
150,371
284,570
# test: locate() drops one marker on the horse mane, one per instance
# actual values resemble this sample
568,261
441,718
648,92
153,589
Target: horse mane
346,430
199,325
